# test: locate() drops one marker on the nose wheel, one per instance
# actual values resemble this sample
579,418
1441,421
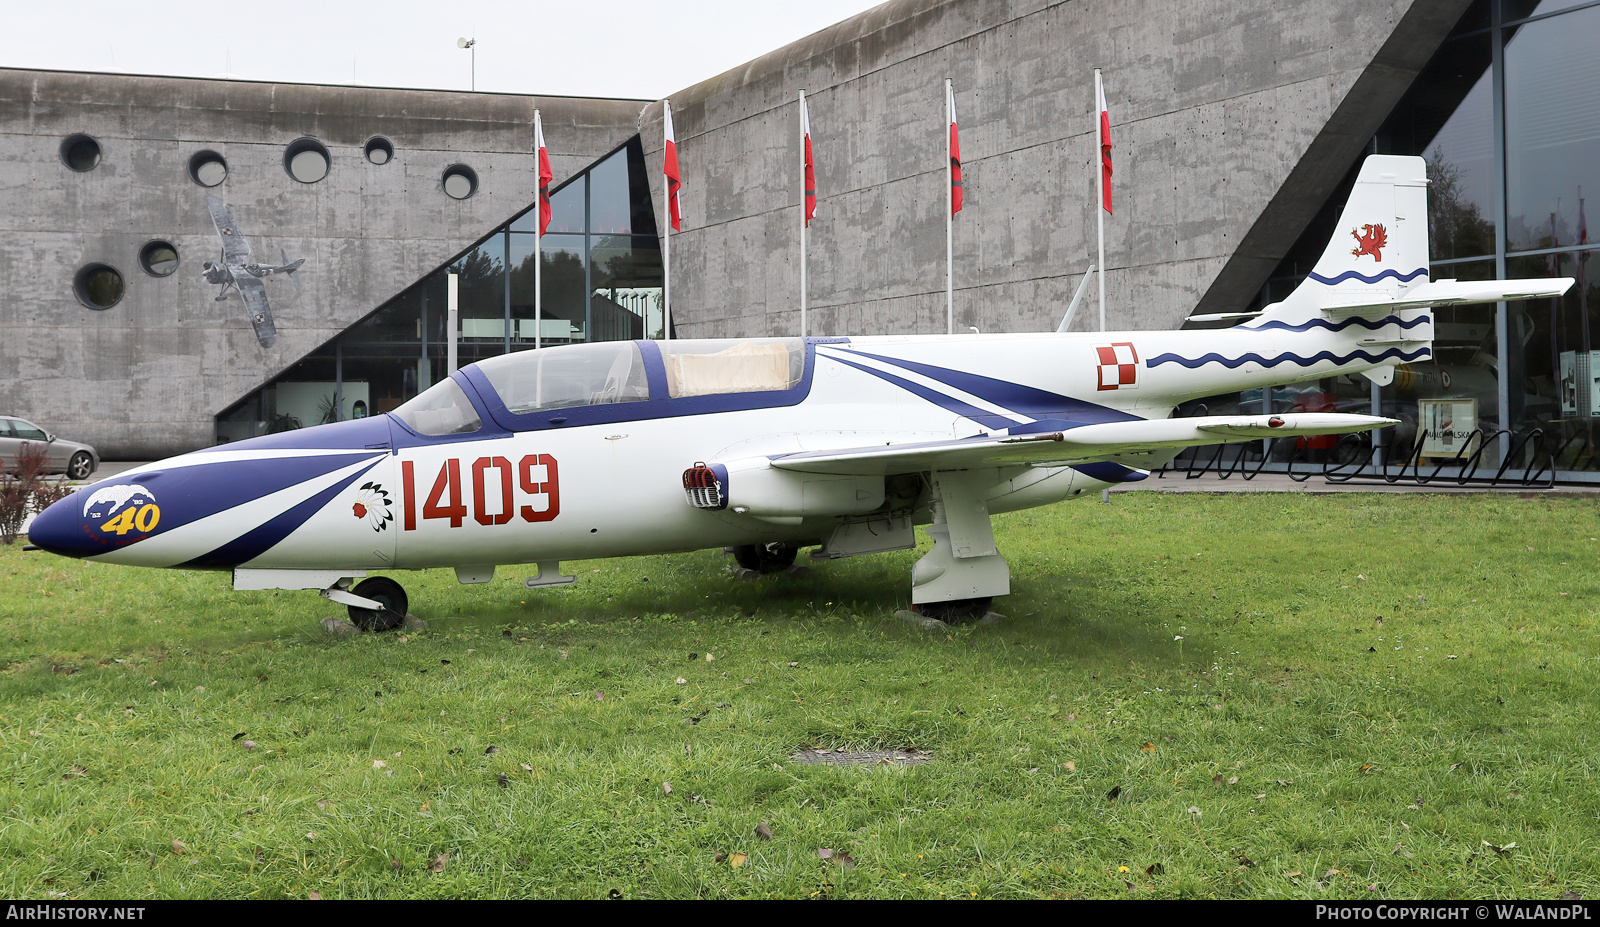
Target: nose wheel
387,593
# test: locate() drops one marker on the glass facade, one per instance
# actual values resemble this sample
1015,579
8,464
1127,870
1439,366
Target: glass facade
601,276
1506,116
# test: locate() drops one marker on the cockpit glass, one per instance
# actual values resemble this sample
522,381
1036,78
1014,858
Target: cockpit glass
442,409
705,368
571,375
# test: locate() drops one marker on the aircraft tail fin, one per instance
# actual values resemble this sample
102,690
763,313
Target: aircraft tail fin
294,278
1380,248
1376,266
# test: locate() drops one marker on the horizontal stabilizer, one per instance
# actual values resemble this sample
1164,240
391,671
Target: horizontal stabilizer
1074,445
1450,293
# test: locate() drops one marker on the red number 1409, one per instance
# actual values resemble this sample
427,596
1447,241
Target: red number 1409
446,501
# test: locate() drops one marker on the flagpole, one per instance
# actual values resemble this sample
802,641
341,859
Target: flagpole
666,234
949,217
1100,195
538,249
803,223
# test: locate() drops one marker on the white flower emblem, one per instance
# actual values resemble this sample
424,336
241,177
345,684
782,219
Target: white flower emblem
372,504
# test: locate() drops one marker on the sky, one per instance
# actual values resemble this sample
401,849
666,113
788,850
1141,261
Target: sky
600,48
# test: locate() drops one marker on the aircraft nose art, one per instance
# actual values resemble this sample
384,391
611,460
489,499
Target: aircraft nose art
208,509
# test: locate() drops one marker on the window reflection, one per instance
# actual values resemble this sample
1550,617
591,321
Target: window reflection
1552,128
610,211
480,293
600,283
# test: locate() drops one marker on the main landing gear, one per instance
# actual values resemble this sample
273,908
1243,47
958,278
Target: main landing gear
958,579
765,558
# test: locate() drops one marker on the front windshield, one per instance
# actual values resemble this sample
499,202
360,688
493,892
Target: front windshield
572,375
442,409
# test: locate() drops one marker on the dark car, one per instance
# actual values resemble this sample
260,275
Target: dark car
76,460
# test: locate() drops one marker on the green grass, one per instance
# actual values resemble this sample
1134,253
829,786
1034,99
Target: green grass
1370,761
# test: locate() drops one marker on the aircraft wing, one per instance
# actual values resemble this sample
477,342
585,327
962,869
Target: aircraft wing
254,294
235,250
1084,444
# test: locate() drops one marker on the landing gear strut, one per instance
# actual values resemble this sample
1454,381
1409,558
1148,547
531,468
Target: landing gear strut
963,572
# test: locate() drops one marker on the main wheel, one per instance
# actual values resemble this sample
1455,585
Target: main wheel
765,558
80,466
385,591
956,611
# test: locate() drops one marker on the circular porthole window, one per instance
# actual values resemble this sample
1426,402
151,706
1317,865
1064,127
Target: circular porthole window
158,258
306,160
379,150
460,181
80,152
98,286
207,168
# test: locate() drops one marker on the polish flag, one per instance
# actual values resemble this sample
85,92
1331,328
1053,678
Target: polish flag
1105,146
811,172
955,155
545,176
670,167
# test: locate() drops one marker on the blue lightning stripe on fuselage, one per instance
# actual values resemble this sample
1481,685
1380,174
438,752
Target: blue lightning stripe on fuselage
1381,275
264,537
1025,400
986,419
1233,362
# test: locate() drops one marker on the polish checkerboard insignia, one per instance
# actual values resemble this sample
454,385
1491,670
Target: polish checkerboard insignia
1119,365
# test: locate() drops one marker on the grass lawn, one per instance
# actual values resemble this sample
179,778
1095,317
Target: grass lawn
1344,696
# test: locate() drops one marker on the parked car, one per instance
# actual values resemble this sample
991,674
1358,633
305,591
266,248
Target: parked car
76,460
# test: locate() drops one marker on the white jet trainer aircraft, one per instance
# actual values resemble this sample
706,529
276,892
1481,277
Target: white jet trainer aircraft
768,445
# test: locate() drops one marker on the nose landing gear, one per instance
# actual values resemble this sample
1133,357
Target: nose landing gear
388,595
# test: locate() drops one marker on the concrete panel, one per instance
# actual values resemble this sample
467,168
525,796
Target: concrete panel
1227,117
147,376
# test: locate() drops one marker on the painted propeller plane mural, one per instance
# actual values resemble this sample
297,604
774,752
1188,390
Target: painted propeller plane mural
235,269
768,445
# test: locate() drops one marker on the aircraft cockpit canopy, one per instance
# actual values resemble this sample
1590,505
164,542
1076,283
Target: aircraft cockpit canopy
705,368
602,375
442,409
574,375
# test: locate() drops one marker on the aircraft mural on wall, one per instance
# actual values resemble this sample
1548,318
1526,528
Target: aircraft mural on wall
768,445
234,269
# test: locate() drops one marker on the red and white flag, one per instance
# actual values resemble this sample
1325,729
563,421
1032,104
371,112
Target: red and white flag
670,168
545,175
811,171
1105,145
955,155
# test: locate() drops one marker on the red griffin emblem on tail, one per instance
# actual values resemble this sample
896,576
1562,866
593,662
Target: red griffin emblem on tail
1372,239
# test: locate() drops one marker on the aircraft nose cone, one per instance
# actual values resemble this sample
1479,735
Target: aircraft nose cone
62,529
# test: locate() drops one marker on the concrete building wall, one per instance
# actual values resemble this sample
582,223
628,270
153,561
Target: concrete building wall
1233,120
147,376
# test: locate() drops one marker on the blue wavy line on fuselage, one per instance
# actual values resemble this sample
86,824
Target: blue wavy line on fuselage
1354,321
264,537
1194,363
1357,275
986,419
1027,400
